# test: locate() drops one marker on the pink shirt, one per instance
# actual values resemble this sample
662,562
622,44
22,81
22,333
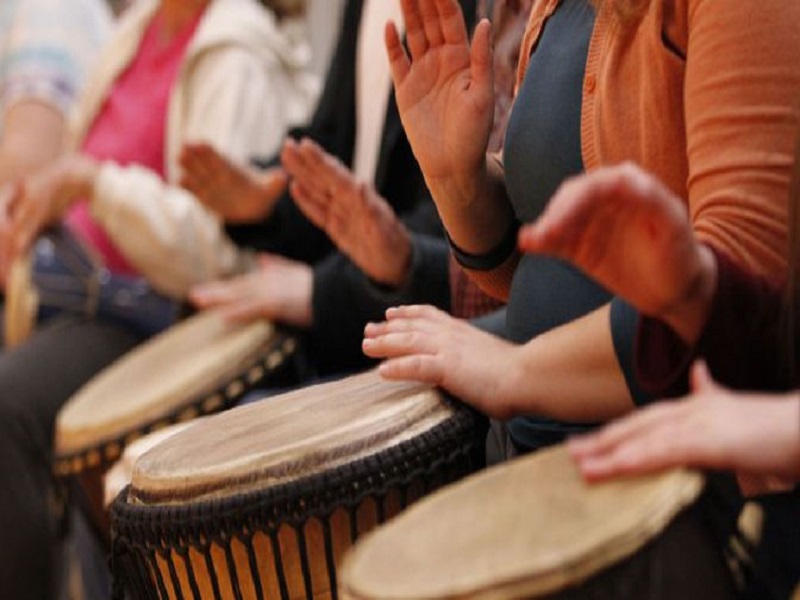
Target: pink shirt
130,127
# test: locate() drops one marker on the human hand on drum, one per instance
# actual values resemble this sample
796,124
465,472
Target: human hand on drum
422,343
444,89
358,220
626,230
239,194
32,204
7,195
714,428
279,290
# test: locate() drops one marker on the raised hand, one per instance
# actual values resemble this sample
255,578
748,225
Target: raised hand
715,428
444,89
356,218
630,233
279,290
422,343
238,194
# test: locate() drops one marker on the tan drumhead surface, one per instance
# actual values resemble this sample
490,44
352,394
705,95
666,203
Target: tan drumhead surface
21,302
285,438
524,529
154,380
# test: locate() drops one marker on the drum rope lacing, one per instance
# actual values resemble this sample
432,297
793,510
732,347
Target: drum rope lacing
434,458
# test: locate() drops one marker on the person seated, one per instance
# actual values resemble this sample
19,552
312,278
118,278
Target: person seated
700,305
46,49
355,143
582,105
229,72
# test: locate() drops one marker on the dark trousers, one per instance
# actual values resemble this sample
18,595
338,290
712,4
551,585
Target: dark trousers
36,379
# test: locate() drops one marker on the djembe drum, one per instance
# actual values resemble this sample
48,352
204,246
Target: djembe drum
263,500
200,366
533,529
60,275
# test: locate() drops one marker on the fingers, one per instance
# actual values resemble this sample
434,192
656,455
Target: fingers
324,171
638,456
24,220
408,330
209,295
417,311
426,369
701,379
399,63
451,22
201,161
482,67
394,345
244,310
416,39
303,162
431,23
619,431
313,207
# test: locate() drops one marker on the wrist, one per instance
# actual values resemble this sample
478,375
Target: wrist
510,401
688,314
474,207
76,180
395,274
298,309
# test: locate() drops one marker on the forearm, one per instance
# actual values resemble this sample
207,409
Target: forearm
570,374
474,207
33,136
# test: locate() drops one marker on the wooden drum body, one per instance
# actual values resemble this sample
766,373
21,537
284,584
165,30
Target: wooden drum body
197,367
263,501
533,529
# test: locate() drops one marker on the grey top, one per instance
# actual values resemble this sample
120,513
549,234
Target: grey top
542,149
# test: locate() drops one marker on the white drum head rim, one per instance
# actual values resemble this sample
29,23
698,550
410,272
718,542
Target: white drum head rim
286,438
116,402
385,565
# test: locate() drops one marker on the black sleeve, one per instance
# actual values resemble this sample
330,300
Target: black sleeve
345,300
286,231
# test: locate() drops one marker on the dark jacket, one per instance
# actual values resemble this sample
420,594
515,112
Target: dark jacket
344,300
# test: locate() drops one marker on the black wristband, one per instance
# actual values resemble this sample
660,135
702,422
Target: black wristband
491,259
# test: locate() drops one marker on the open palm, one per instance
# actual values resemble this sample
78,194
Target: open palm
627,231
444,88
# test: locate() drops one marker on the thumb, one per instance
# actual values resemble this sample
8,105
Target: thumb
482,56
275,182
701,379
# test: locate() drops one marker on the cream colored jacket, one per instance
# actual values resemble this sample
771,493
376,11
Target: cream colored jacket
242,84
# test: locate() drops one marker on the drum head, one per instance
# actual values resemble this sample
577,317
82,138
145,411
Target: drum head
286,438
525,529
181,369
21,303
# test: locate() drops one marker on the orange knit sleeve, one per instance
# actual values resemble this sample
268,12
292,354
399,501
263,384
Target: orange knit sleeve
742,90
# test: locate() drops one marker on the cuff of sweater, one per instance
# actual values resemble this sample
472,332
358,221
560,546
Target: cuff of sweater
624,322
427,280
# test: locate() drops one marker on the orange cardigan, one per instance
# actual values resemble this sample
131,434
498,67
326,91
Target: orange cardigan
704,94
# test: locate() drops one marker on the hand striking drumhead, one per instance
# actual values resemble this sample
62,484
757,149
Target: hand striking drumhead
524,529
